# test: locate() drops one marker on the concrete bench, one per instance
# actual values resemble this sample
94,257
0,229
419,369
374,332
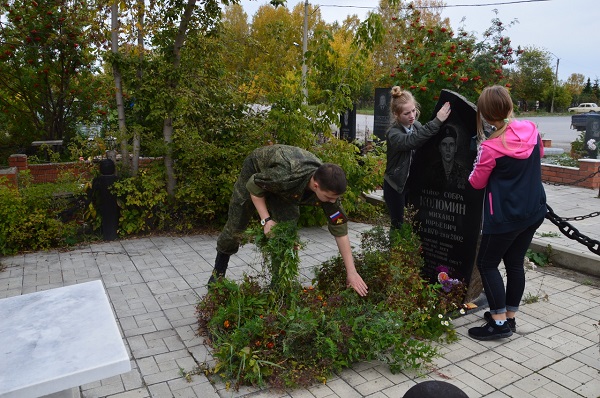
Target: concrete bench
53,341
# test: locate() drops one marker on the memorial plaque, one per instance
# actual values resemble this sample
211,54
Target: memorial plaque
448,209
348,124
592,132
381,119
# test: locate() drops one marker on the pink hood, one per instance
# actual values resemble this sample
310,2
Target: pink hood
520,138
517,142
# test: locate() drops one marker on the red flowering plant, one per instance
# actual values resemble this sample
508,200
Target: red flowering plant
431,57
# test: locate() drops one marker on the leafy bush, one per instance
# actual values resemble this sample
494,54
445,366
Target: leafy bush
297,337
30,215
578,150
142,201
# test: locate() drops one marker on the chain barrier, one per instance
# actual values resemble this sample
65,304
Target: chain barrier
567,229
576,181
579,218
573,233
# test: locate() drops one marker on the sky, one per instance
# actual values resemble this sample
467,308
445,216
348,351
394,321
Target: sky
566,28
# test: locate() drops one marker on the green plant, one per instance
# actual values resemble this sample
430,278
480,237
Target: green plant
30,214
280,254
548,234
299,335
541,259
530,298
142,201
578,150
561,160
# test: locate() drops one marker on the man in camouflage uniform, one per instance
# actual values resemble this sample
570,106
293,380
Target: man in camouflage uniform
275,180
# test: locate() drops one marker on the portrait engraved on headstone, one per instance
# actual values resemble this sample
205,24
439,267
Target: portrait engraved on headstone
448,210
348,124
381,118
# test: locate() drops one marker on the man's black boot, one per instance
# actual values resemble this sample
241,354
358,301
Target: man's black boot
221,263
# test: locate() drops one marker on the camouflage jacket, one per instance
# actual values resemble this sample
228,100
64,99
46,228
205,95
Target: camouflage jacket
285,171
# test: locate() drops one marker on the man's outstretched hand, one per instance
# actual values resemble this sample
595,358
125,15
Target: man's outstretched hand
355,281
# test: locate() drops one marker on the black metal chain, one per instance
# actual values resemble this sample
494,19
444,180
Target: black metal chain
576,181
573,233
579,218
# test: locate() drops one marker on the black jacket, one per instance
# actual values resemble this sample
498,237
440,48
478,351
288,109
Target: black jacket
400,145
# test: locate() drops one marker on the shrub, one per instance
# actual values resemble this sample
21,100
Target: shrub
30,215
299,336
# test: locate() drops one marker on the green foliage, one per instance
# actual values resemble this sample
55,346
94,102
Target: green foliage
142,201
578,148
46,63
280,254
29,216
263,337
541,259
430,57
561,160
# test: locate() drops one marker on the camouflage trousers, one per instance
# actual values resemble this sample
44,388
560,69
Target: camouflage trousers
242,210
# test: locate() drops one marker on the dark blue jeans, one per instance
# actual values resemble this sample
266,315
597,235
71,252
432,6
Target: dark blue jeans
511,248
395,202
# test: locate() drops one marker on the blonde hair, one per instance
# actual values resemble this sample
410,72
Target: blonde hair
399,99
494,105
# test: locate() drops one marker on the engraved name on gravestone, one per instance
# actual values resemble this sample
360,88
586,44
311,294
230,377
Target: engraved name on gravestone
381,118
448,209
348,124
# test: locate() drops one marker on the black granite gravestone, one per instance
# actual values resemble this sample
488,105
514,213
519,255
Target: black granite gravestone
381,119
592,132
348,124
448,209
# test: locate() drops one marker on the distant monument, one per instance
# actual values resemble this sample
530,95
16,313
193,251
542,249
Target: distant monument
449,210
592,132
348,125
381,119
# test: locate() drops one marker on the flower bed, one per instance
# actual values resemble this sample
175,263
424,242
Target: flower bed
568,175
287,335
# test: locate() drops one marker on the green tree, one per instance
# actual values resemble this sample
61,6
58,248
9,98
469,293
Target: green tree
47,65
574,85
534,76
430,57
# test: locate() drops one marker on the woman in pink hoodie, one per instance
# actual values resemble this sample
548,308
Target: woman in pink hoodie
508,168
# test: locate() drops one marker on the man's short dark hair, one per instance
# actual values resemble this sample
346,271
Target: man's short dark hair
332,178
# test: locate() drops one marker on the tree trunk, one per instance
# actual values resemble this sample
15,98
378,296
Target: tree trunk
114,38
140,44
168,123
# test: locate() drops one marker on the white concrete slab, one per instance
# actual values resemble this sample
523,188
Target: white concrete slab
57,339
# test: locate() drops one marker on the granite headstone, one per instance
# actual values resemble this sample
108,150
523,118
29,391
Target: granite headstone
448,209
348,124
381,119
592,132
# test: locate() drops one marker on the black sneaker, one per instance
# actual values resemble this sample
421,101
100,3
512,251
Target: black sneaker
512,323
490,331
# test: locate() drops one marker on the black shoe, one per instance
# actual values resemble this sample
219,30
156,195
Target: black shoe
221,263
490,331
512,323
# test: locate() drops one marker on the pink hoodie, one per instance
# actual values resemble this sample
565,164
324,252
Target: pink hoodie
519,140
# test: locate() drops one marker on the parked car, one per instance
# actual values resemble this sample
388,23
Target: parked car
585,107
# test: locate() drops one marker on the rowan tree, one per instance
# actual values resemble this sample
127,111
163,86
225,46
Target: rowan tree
47,65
